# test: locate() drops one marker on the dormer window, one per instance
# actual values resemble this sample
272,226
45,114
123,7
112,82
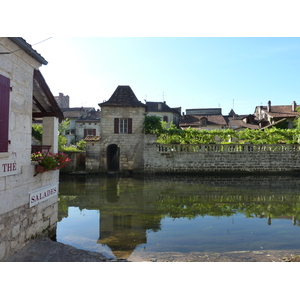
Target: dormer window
203,121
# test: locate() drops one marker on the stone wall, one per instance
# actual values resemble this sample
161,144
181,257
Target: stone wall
92,159
18,221
20,225
221,158
131,145
77,162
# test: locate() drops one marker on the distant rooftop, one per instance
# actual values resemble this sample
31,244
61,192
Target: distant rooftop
204,111
123,96
161,107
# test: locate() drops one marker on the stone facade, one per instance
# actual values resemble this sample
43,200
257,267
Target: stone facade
18,221
131,146
86,126
199,159
122,138
92,159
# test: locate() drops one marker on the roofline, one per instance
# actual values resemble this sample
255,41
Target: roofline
46,90
27,48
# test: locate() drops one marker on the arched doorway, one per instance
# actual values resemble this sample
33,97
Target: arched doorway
113,158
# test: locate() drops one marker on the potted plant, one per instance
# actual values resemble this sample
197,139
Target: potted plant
49,161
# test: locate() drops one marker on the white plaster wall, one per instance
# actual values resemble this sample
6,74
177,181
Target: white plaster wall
86,125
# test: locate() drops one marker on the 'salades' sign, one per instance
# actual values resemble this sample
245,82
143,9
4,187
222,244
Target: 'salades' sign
43,194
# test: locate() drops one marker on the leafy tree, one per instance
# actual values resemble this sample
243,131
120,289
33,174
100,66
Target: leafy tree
153,125
37,132
81,145
62,127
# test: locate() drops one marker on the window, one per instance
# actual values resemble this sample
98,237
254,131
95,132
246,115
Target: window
165,118
203,121
4,112
123,125
70,132
89,132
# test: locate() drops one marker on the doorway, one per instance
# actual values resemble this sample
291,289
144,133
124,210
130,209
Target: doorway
113,158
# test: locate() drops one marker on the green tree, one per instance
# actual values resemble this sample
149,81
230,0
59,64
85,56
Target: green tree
62,127
153,125
37,132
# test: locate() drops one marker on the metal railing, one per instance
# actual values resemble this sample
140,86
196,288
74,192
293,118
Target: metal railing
40,148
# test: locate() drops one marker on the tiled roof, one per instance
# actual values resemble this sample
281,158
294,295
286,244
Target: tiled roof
75,112
194,120
281,111
237,121
160,107
92,138
123,96
27,48
71,113
241,124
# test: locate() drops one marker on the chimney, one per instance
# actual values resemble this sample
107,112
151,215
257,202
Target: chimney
294,106
269,106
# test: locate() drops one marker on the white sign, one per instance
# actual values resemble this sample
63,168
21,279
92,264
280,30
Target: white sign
8,167
43,194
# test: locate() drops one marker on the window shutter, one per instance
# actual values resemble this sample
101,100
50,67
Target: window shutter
130,125
94,132
85,133
116,128
4,112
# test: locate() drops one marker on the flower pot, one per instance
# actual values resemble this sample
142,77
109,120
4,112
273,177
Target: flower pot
40,169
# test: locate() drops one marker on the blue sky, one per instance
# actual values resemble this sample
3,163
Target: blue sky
191,72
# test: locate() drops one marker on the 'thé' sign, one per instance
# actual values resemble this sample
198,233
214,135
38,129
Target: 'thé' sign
8,167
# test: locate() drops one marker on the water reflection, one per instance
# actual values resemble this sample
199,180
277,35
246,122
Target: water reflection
179,214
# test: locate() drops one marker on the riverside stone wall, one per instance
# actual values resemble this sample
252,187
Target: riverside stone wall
77,162
221,158
19,223
19,220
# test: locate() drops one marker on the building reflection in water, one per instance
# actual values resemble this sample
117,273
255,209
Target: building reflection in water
129,207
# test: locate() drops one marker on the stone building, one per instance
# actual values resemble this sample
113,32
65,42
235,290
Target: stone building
83,120
271,114
121,143
28,203
166,113
203,118
241,122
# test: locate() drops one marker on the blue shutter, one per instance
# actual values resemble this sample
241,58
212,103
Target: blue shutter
4,112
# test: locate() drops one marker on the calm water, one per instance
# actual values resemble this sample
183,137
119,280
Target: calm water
121,217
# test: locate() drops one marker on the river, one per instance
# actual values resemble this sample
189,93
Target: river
136,217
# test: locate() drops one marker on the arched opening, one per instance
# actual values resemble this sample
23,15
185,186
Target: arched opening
113,158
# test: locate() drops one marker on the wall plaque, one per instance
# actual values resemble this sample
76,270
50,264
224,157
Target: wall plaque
43,194
8,167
